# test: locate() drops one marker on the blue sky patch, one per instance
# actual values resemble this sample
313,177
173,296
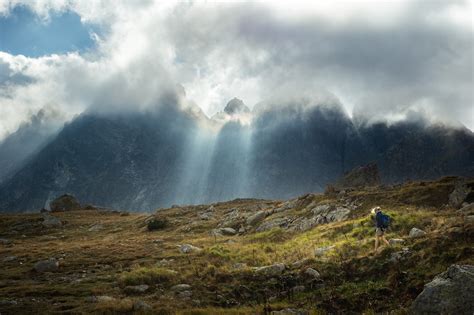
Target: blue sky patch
23,32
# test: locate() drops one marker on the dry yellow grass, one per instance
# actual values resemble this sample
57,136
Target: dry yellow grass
124,252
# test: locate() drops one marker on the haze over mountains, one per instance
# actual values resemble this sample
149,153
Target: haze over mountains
174,154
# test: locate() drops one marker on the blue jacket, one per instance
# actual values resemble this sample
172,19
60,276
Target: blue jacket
378,220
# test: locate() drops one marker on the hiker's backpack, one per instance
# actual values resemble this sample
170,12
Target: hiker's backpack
385,220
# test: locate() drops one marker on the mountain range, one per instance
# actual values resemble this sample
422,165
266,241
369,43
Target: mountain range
174,154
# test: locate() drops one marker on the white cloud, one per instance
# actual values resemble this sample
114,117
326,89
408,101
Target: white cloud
382,58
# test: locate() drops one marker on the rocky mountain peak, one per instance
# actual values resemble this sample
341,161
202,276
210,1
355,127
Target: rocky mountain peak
236,106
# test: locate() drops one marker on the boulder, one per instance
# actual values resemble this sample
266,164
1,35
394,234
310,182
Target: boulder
414,233
228,231
49,265
5,241
256,218
141,306
65,202
451,292
50,221
271,270
136,289
188,248
312,273
459,194
275,223
181,287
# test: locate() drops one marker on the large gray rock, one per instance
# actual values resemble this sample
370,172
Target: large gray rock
312,273
256,218
459,194
272,270
450,293
415,232
275,223
50,221
49,265
188,248
181,287
227,231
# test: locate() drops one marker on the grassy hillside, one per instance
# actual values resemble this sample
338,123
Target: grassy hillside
104,255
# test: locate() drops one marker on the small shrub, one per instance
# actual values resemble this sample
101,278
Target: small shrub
157,224
147,275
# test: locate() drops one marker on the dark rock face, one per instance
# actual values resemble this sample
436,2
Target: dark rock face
65,202
142,161
362,176
451,292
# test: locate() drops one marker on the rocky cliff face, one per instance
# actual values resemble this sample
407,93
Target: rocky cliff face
142,161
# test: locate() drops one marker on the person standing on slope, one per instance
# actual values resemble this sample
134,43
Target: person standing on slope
382,222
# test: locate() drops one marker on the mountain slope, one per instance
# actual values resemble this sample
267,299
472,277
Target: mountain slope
145,160
109,262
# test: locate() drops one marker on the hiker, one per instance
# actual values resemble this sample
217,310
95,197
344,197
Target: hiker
382,222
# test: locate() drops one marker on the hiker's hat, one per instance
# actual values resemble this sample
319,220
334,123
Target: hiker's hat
376,209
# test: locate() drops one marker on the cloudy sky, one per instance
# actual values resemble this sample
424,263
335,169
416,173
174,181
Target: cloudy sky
381,59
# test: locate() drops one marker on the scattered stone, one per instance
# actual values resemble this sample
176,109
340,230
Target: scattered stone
275,223
50,221
136,289
228,231
459,194
188,248
272,270
141,306
205,216
5,241
396,241
400,255
321,251
470,219
256,218
451,292
300,263
49,265
415,232
65,202
158,241
9,258
181,287
185,294
310,272
96,228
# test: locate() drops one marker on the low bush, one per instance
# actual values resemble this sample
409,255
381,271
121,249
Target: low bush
157,224
147,275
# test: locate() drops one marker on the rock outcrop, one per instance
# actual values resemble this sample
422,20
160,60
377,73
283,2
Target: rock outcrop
451,292
65,202
362,176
